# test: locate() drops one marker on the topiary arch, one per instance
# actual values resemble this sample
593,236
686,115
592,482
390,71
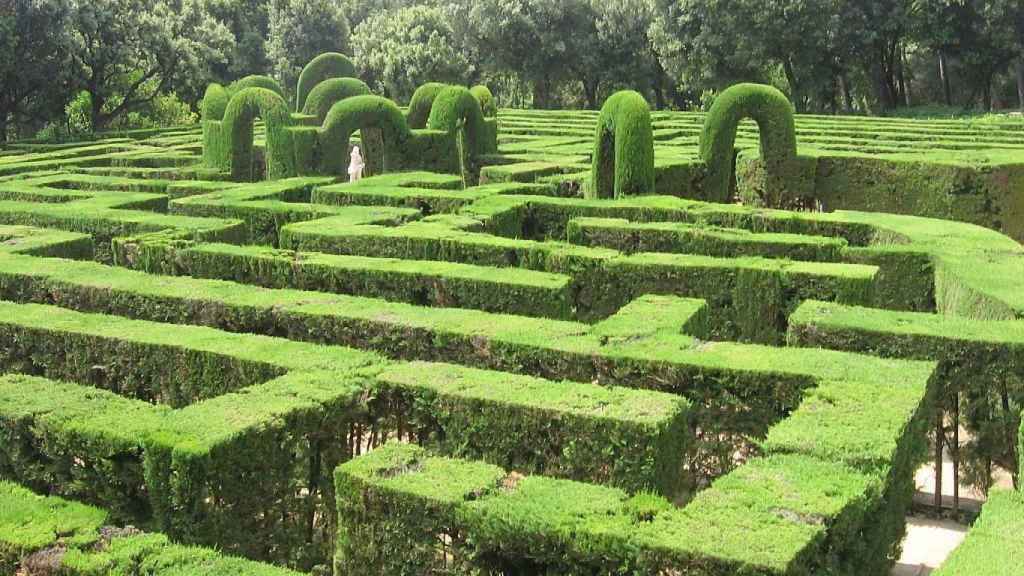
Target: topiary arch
256,81
421,104
623,163
323,67
358,113
239,116
456,108
327,93
773,113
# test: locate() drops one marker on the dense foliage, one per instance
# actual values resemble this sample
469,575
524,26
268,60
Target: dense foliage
867,56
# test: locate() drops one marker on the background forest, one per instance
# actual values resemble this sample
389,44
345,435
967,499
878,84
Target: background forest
69,67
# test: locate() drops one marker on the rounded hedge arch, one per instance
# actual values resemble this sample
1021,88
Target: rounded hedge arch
324,67
455,107
487,103
623,163
773,113
241,111
327,93
358,113
421,104
256,81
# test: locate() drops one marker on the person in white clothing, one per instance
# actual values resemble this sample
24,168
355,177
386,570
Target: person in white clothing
356,165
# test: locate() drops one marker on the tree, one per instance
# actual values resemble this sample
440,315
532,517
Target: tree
248,21
541,41
358,11
128,52
399,50
35,52
301,30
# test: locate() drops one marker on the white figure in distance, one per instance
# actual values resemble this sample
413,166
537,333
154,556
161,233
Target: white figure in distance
356,165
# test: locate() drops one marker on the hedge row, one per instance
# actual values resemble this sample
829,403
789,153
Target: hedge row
49,535
751,297
632,439
430,283
829,496
209,435
760,384
995,544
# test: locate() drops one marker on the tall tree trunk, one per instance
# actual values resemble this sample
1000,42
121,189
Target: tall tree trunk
590,93
986,93
844,86
944,77
3,127
658,85
905,78
1020,83
794,84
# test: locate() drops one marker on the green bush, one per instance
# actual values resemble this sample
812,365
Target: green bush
623,163
326,66
773,113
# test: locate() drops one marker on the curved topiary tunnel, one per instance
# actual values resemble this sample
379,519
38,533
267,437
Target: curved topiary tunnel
324,67
256,81
623,163
357,113
421,103
239,116
328,92
773,113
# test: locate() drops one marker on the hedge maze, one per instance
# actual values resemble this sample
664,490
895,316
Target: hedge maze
527,347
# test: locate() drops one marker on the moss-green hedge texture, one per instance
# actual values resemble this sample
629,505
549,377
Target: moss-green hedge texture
995,543
327,66
49,535
243,109
623,163
773,113
326,93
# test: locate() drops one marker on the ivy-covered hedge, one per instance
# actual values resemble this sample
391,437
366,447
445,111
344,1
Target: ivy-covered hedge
623,163
324,67
773,113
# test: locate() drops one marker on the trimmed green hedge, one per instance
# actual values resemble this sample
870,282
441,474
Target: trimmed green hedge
773,113
48,535
327,66
320,99
357,113
256,81
632,439
242,110
228,467
995,544
422,103
623,163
